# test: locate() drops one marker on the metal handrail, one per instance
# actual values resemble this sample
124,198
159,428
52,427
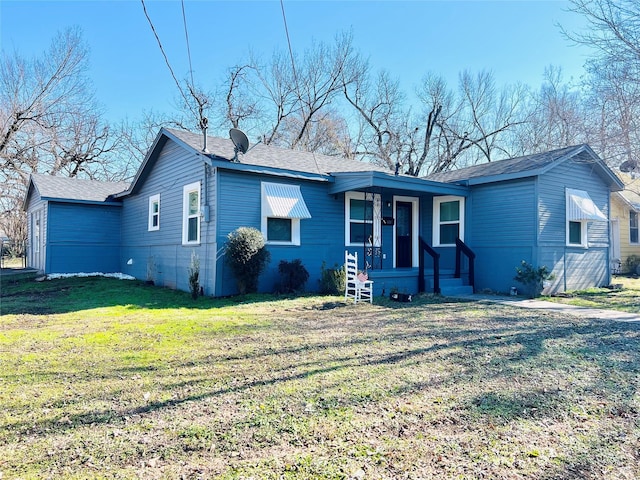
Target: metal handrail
425,247
461,248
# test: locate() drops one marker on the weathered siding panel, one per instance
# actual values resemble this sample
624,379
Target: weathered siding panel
573,267
83,238
321,236
159,255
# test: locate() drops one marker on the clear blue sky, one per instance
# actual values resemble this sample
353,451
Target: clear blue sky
515,40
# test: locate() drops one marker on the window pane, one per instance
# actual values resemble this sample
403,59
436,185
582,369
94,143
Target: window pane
633,219
359,208
360,232
155,207
575,233
279,229
193,203
193,230
633,235
450,211
154,221
449,233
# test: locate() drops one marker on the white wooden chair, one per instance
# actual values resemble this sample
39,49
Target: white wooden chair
356,288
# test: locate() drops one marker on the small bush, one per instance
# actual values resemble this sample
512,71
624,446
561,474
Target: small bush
532,277
332,279
194,275
293,276
247,256
633,262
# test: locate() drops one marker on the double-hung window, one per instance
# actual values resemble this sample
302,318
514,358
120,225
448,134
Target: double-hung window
448,220
282,209
154,212
191,214
633,227
360,211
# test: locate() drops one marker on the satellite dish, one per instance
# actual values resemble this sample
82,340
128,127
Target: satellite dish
628,166
240,140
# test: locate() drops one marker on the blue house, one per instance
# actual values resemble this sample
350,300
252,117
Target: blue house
73,225
452,232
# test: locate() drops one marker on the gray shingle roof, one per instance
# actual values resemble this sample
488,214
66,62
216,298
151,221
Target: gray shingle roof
528,163
276,157
65,188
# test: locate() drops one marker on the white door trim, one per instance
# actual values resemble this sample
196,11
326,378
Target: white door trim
415,225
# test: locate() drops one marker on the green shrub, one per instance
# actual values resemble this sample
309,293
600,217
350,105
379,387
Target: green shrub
247,257
331,279
532,278
194,275
293,276
633,262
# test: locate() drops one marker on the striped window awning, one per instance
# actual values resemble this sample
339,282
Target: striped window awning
283,201
580,207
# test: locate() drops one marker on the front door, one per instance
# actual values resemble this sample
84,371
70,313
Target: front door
404,234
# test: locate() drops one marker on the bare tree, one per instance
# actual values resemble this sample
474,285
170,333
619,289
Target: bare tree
291,101
554,117
381,119
466,126
613,96
49,120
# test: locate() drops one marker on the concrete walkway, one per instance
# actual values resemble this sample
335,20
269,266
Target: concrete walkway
583,312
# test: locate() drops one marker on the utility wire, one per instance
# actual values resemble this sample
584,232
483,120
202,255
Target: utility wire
186,34
153,29
286,30
202,120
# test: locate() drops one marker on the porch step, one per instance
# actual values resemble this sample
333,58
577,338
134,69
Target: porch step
450,287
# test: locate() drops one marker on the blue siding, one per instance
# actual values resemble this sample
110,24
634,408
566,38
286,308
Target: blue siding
159,255
321,236
83,238
574,268
501,230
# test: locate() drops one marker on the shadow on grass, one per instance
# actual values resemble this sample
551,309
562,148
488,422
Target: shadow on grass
74,294
462,347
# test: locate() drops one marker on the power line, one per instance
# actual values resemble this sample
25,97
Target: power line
186,34
202,120
286,30
166,59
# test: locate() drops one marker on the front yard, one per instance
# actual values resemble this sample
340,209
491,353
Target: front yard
103,378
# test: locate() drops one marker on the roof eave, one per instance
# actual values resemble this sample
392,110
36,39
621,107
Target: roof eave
264,170
502,177
613,181
30,189
626,201
84,202
350,181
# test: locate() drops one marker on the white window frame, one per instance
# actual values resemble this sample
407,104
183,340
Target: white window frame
36,234
154,199
583,234
295,231
415,227
186,190
376,213
637,215
264,224
436,219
